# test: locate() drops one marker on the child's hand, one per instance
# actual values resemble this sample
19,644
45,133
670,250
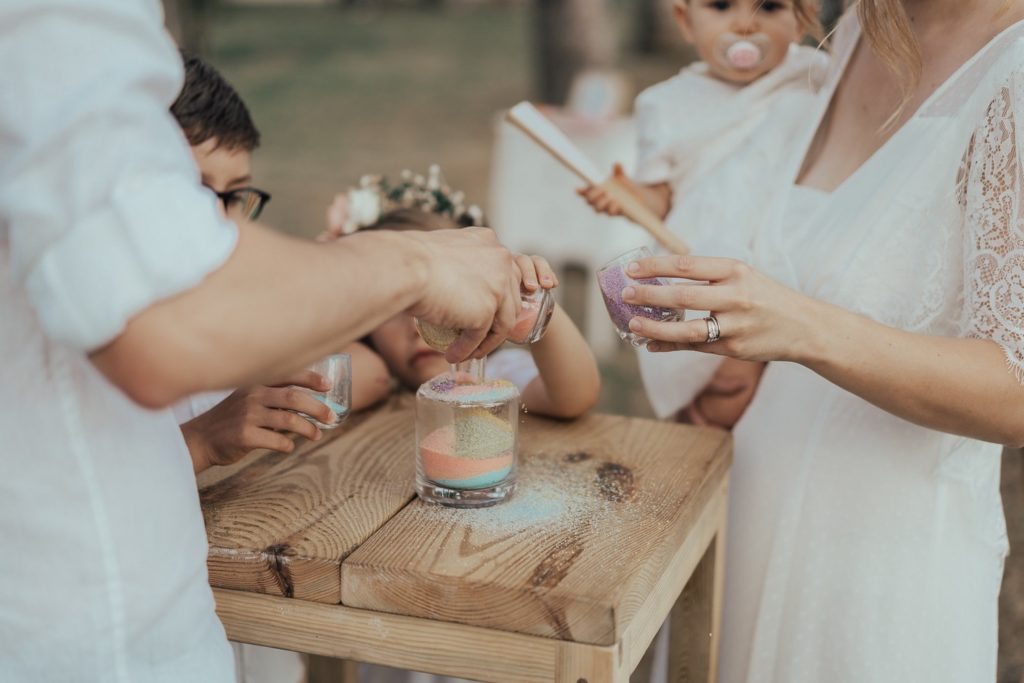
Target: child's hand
535,271
337,216
726,397
257,417
601,200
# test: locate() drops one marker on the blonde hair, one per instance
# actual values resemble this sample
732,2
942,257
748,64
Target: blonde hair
886,27
806,12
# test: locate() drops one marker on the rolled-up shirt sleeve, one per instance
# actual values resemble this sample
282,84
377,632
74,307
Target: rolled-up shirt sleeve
99,195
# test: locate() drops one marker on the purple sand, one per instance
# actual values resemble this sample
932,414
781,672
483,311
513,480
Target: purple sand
612,281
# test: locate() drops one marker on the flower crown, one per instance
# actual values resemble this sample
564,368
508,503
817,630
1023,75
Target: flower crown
363,205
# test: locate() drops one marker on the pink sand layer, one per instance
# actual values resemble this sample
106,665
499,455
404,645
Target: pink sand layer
439,465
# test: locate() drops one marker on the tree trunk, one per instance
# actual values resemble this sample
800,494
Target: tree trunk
830,12
186,21
654,29
571,36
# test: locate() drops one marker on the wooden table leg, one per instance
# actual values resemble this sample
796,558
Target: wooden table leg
578,663
696,619
331,670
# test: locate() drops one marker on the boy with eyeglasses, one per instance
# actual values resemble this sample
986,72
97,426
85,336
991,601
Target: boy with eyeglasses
222,136
221,427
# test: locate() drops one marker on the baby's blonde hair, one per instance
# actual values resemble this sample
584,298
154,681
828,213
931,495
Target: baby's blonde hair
806,12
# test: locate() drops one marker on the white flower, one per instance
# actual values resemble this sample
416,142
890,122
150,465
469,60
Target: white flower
364,207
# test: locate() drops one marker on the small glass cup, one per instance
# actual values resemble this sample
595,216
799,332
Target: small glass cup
612,278
534,315
466,438
535,312
337,370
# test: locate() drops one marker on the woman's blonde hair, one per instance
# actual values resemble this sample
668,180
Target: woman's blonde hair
886,27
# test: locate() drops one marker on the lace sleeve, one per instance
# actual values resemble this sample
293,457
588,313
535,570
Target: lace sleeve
992,190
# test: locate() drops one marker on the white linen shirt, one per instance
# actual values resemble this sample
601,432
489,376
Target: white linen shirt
101,215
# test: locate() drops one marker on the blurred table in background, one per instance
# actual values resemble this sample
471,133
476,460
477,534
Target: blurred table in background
535,208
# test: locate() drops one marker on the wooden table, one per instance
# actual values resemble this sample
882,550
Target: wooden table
618,523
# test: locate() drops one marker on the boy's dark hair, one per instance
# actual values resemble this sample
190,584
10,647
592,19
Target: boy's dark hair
208,107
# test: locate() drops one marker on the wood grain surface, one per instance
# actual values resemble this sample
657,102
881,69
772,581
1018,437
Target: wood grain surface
281,524
603,505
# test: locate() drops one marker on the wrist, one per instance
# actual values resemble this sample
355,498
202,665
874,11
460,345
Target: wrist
820,334
198,448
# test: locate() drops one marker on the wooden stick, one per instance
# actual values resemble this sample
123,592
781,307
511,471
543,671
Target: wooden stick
636,211
541,130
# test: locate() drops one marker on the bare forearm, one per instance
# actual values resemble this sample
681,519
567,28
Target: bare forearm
961,386
276,305
568,384
371,381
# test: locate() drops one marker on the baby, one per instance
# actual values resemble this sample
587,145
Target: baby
689,124
698,124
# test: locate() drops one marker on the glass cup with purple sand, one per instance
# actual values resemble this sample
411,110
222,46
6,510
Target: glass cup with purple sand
612,278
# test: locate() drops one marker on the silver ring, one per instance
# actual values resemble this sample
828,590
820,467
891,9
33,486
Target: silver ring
714,330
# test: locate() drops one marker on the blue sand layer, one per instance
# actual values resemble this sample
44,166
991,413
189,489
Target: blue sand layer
480,481
338,409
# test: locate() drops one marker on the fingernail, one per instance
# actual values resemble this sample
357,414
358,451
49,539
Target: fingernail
633,267
635,325
628,293
546,280
652,346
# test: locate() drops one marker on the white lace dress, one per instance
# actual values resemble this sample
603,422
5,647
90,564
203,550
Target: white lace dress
862,547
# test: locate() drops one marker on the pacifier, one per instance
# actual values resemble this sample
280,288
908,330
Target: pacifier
743,53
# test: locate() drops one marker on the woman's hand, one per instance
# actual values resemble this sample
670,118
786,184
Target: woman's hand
759,318
258,417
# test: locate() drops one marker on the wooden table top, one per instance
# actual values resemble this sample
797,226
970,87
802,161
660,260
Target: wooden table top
602,504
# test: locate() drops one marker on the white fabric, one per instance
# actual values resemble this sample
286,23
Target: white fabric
862,547
194,406
512,364
720,185
693,121
101,214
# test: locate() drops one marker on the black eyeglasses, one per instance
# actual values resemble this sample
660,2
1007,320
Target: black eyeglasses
245,201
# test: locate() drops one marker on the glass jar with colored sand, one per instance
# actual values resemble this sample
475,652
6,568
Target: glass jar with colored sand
612,279
466,438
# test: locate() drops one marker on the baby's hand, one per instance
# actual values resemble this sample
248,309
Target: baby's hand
599,198
535,271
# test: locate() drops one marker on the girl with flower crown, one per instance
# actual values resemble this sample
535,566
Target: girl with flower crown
557,377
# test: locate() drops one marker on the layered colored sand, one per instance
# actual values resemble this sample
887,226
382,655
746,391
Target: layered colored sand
477,449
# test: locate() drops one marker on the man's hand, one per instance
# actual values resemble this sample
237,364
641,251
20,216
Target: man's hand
472,284
258,417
